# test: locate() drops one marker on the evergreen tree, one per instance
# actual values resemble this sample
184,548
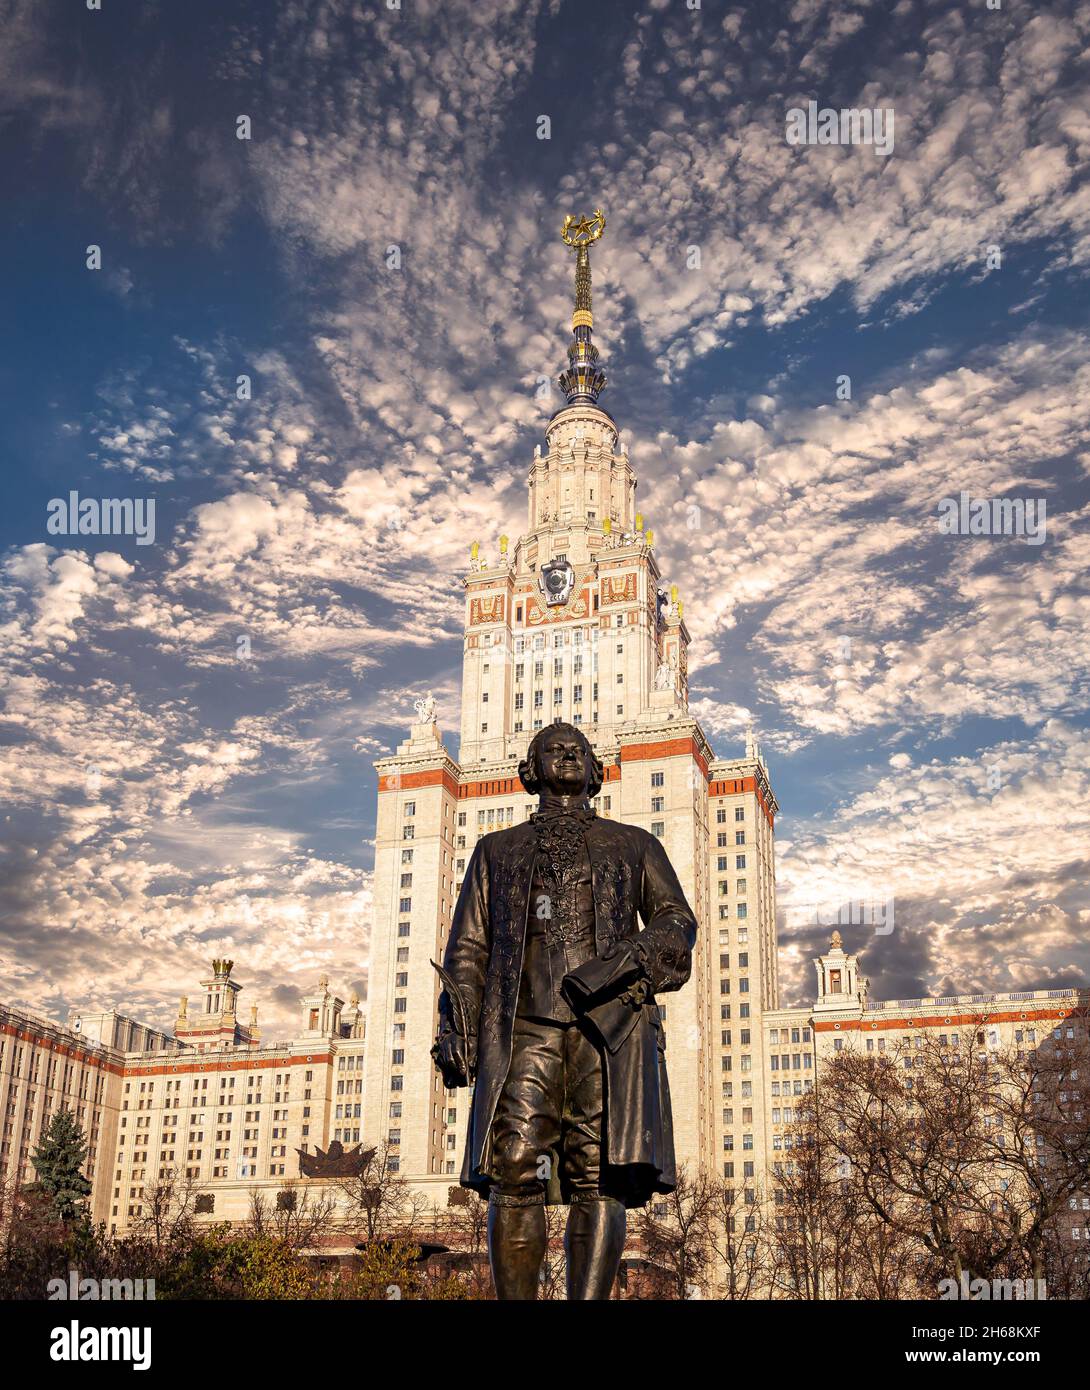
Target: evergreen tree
58,1160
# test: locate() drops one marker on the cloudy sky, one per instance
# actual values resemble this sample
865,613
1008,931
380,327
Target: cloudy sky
188,726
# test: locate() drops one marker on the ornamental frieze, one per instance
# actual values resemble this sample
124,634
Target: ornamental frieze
577,607
619,589
486,610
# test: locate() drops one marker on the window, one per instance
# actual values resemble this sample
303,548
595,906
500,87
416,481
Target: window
739,861
405,905
407,832
739,837
739,813
410,808
658,803
743,910
658,828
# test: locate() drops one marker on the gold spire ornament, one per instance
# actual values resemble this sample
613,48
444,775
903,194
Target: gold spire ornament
580,235
584,231
584,380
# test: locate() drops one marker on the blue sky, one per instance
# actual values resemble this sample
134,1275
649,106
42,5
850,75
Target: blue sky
920,698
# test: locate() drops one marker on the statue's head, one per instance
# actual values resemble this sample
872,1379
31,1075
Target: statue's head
560,760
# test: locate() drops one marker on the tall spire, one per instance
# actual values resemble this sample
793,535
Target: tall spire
584,380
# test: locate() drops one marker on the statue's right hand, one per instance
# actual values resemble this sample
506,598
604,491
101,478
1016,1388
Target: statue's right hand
450,1057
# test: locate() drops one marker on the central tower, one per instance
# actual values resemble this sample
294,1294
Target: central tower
576,604
573,622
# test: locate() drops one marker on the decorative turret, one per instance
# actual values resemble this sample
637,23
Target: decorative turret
215,1024
840,985
584,380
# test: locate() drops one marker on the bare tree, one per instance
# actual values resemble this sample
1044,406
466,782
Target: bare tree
168,1210
463,1225
814,1229
737,1240
675,1237
962,1155
554,1265
299,1214
378,1203
1038,1143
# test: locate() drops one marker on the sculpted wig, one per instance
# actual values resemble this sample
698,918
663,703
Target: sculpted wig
530,767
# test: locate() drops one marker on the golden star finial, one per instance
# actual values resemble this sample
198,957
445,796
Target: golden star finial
584,230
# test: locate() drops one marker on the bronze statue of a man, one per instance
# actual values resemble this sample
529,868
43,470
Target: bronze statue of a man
549,1002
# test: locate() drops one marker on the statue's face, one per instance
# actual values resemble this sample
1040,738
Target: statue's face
565,766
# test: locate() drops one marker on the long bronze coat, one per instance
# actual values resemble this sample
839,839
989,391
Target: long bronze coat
631,874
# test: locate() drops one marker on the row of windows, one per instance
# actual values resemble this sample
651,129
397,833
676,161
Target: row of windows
778,1035
577,718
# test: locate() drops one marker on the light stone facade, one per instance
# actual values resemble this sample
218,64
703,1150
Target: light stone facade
230,1112
799,1042
211,1107
611,657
